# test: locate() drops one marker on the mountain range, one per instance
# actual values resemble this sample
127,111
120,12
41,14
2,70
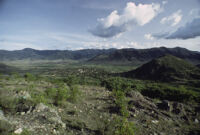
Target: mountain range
33,54
142,56
111,56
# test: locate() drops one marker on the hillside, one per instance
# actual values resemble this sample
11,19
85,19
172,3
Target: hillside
140,56
198,65
166,68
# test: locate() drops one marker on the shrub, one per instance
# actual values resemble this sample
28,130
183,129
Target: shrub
15,75
25,132
29,77
39,98
117,83
13,104
8,103
55,81
113,83
5,127
71,80
74,93
120,102
115,126
119,88
51,92
24,104
124,127
61,95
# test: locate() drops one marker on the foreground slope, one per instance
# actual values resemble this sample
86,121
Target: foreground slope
40,106
166,68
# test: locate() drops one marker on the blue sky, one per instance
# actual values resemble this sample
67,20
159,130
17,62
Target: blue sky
82,24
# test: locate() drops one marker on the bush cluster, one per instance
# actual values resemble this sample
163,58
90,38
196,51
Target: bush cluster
119,88
164,91
124,127
117,83
29,77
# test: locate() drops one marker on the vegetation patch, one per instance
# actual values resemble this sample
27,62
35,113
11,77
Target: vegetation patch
170,92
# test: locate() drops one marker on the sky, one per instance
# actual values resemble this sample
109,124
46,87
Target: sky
99,24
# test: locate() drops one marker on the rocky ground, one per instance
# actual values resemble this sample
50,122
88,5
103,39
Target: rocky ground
164,117
92,113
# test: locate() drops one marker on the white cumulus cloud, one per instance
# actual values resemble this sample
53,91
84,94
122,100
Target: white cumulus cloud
132,14
164,2
173,19
188,31
149,36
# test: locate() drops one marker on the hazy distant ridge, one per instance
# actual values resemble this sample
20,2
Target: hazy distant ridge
102,55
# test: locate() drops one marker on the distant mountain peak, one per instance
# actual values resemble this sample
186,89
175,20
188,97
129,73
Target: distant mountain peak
28,49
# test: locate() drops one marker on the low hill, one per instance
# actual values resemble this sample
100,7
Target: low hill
166,68
198,65
141,56
5,69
